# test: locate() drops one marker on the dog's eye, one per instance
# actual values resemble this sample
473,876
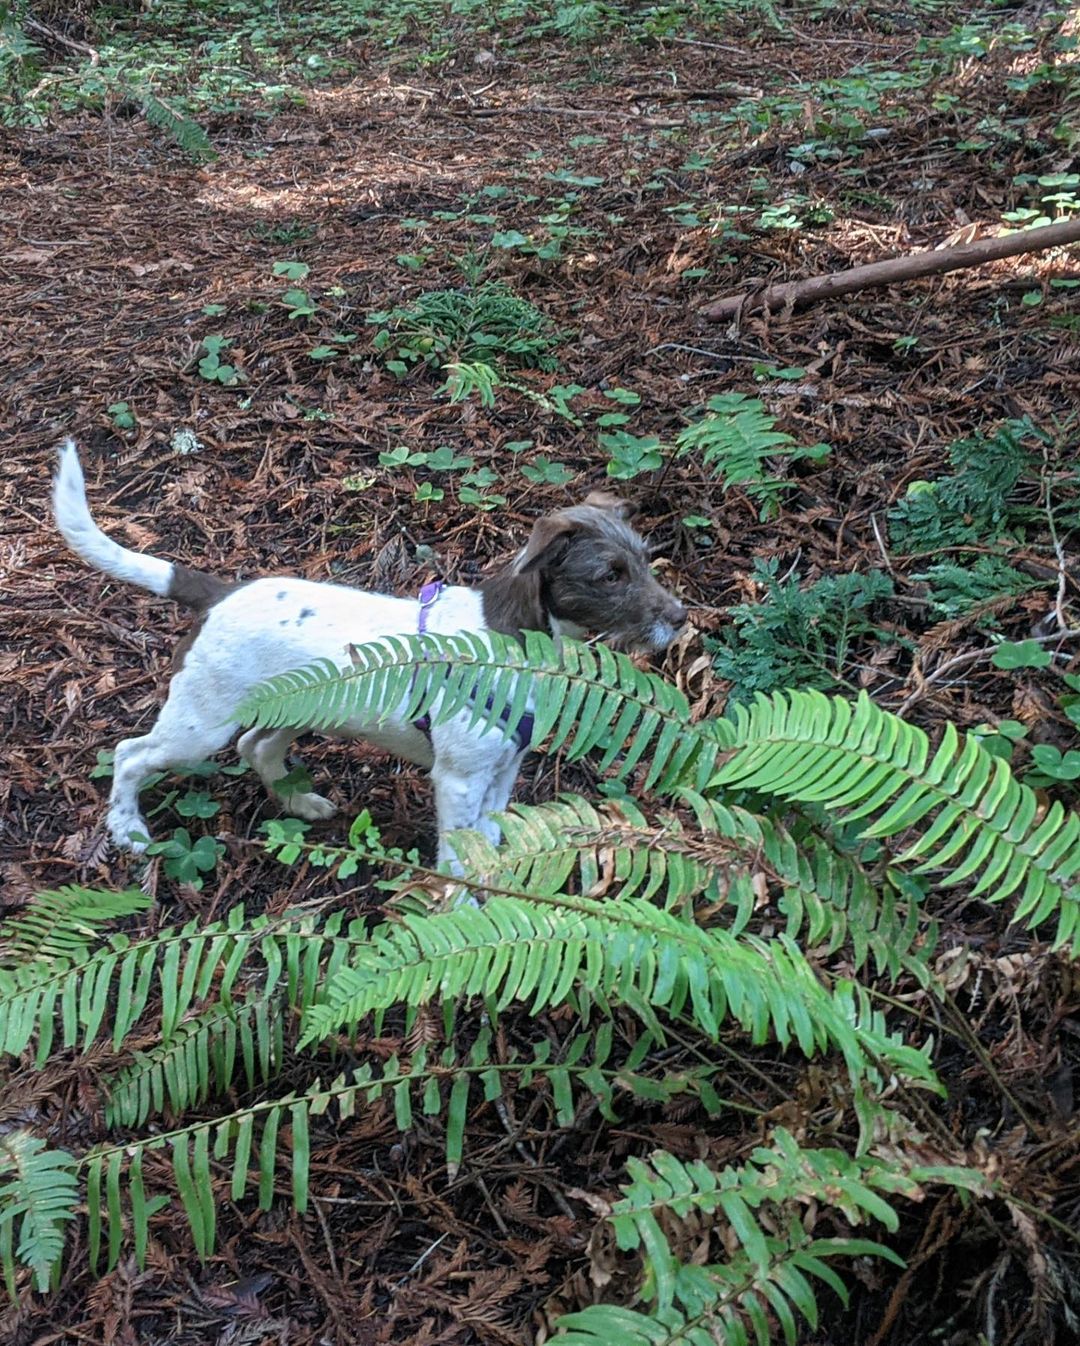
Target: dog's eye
613,576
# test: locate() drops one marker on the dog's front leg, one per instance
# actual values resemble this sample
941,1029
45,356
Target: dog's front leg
470,783
497,796
459,797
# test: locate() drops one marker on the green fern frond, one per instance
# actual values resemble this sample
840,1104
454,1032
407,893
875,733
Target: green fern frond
38,1194
64,923
548,849
514,949
201,1057
614,847
783,1173
80,997
242,1149
586,1064
738,439
826,894
119,977
234,1154
584,697
772,1270
188,134
52,953
857,760
731,1303
244,1145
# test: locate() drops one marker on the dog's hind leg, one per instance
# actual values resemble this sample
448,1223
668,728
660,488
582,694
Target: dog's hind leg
264,750
137,758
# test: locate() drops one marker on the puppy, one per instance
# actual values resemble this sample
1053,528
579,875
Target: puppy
584,571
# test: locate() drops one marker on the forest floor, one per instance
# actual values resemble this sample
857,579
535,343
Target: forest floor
626,183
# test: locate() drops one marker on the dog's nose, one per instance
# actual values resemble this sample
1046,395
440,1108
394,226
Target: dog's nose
677,615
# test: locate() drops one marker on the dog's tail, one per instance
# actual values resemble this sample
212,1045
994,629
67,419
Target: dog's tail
87,540
193,588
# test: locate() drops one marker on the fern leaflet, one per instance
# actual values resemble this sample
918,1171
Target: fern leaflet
38,1193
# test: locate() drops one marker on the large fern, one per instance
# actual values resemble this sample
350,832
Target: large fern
628,916
128,1183
854,761
961,812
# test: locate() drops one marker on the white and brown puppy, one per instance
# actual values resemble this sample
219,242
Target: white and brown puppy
584,571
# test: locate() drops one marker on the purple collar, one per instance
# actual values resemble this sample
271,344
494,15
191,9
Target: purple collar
523,730
429,596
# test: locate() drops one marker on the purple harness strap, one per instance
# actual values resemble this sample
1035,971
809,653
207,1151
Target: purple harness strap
523,731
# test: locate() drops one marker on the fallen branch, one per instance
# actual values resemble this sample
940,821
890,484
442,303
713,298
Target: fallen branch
794,293
51,35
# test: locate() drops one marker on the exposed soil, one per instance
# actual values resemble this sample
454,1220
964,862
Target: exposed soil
111,246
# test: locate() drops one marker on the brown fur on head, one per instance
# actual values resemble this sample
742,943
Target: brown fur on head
585,571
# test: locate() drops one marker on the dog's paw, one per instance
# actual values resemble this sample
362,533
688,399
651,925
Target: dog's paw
313,807
128,833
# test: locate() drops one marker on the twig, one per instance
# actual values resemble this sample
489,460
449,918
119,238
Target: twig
712,46
530,109
794,293
1059,601
971,657
491,1205
690,350
528,1158
421,1259
881,543
967,1034
326,1237
36,26
815,39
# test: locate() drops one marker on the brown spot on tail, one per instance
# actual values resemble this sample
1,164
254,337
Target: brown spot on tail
196,589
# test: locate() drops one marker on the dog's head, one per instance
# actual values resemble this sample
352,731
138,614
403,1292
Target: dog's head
594,576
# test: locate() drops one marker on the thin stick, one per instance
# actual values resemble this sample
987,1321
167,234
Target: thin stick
1059,551
794,293
971,657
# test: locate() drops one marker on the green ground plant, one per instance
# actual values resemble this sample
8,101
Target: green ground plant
486,323
213,368
673,953
737,438
975,503
797,637
185,859
957,590
1002,488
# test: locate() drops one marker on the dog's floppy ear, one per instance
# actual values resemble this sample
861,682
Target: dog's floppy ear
605,500
550,538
